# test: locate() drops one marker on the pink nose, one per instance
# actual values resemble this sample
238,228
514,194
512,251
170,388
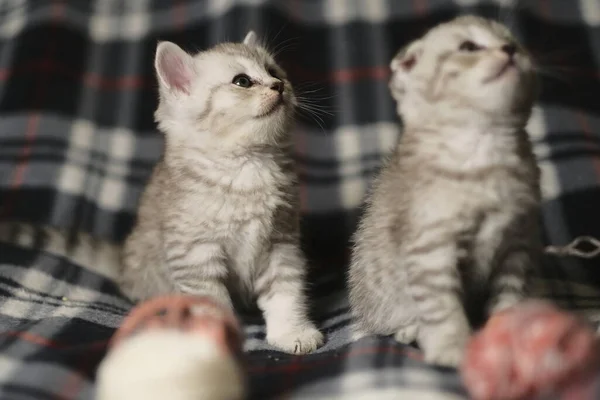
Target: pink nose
278,86
509,49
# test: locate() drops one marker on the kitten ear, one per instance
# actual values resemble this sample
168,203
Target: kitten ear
405,60
251,39
174,67
402,64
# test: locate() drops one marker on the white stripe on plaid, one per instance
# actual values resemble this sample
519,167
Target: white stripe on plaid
134,24
549,179
590,12
383,394
45,377
15,17
133,20
356,150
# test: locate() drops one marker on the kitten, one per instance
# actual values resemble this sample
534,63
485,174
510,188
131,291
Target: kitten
219,216
454,212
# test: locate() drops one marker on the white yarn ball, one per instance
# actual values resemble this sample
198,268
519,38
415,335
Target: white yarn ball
169,365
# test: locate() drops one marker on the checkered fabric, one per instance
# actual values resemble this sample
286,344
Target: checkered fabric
78,141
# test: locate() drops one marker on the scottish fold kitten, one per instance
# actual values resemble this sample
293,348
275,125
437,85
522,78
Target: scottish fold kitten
453,215
219,216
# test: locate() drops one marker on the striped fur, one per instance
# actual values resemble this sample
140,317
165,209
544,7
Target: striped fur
451,225
219,216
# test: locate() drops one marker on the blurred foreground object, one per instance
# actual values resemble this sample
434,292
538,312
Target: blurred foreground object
533,351
176,348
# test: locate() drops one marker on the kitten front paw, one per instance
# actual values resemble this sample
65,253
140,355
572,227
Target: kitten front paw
407,334
445,344
300,340
445,357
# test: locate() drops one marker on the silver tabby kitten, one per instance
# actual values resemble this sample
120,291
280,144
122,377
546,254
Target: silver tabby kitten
219,216
454,212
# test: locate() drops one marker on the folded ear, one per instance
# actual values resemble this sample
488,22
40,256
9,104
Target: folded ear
402,64
405,60
251,39
174,67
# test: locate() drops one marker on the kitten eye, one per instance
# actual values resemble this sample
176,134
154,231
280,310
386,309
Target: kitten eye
242,80
272,72
469,46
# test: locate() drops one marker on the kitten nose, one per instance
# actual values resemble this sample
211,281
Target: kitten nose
509,49
277,86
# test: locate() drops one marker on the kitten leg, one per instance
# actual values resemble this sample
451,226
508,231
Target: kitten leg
198,269
509,281
280,290
506,247
435,285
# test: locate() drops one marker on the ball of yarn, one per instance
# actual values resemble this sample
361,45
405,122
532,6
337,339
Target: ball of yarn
531,351
176,348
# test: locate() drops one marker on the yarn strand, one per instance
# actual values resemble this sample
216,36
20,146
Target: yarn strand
572,249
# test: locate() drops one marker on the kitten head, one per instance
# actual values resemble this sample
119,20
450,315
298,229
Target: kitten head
466,67
230,96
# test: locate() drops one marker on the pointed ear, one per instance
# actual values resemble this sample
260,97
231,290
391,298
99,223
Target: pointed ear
174,67
251,39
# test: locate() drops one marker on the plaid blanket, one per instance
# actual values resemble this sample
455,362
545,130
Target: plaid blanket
77,144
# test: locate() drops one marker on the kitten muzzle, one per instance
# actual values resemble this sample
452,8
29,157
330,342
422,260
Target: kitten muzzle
509,64
274,107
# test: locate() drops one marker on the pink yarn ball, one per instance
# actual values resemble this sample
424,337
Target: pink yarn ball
196,315
530,351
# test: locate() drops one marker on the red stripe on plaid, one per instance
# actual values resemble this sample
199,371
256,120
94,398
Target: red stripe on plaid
33,338
97,81
178,14
90,79
544,8
420,6
30,131
124,82
308,363
300,147
356,74
300,139
86,365
53,344
345,75
33,120
291,372
73,383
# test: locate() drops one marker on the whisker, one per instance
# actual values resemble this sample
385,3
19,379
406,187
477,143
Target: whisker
285,45
554,55
313,100
316,106
550,74
310,91
316,111
308,84
286,23
319,121
564,74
